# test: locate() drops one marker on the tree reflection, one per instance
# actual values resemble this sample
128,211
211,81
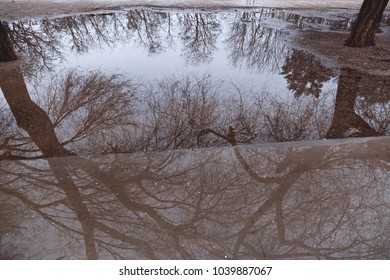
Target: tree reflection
252,44
175,110
149,26
76,105
6,50
245,203
361,103
372,117
98,113
313,222
250,41
277,203
305,74
47,40
199,35
322,201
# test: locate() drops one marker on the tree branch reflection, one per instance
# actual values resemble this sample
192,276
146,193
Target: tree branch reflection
325,201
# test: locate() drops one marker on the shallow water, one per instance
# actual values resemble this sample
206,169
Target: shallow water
146,80
308,201
151,80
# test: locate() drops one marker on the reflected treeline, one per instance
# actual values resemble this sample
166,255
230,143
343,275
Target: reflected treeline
199,34
321,202
253,45
97,113
251,42
74,108
46,40
149,28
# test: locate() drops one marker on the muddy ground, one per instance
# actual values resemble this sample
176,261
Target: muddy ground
326,44
329,46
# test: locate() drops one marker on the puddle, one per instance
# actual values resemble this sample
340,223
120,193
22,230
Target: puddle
328,201
155,80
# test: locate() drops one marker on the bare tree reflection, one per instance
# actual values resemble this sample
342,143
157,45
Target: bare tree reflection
251,41
253,45
247,202
342,23
41,47
98,113
323,201
336,230
79,106
85,105
294,120
176,110
45,41
290,202
88,31
149,26
199,34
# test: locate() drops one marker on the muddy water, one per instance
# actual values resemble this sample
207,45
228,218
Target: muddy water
326,201
156,80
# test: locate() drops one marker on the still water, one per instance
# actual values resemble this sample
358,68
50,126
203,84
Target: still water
147,80
94,96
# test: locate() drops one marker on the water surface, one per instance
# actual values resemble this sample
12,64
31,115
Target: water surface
104,117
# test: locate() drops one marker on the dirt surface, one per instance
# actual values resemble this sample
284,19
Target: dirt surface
329,46
22,10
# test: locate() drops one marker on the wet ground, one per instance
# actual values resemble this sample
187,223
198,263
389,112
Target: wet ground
16,9
105,117
292,201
